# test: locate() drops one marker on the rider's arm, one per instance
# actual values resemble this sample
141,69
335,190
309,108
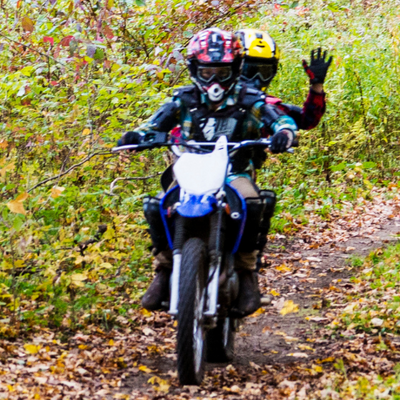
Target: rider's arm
313,109
275,123
273,120
165,119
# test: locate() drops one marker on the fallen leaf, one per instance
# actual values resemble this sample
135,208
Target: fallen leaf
298,355
315,259
305,347
31,348
146,313
316,319
289,307
274,292
377,322
147,331
163,385
326,360
283,268
143,368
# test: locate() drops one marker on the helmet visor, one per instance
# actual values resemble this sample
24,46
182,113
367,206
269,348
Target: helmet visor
262,71
221,74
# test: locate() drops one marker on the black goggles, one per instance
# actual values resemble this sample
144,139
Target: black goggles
261,71
207,74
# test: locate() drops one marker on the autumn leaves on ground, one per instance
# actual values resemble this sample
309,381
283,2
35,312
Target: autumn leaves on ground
327,329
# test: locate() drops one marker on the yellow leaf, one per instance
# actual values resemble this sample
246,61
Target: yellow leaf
146,313
77,279
257,313
326,360
318,368
22,197
16,207
163,385
3,144
83,346
111,342
283,268
86,132
143,368
274,292
27,24
106,265
289,307
56,191
31,348
305,347
109,233
8,167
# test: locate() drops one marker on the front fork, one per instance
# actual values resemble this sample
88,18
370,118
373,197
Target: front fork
211,290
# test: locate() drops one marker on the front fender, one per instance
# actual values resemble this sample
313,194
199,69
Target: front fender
194,206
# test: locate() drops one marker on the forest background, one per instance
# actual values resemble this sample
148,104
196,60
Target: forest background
76,74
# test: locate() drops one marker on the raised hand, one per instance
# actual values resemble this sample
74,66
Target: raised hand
318,67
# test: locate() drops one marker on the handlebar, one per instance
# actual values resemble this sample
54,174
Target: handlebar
198,145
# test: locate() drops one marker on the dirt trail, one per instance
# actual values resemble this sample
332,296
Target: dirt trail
270,346
296,355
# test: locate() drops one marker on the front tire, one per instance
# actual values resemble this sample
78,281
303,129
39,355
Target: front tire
191,333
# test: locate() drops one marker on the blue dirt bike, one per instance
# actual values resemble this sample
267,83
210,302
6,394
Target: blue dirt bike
204,219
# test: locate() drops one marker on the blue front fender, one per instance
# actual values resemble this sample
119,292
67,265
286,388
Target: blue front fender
197,206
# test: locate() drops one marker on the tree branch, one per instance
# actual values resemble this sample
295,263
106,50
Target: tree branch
69,169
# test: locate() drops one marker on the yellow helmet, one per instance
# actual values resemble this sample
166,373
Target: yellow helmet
261,57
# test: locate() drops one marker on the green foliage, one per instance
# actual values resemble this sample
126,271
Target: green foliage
75,75
376,307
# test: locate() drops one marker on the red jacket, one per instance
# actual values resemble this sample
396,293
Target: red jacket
307,117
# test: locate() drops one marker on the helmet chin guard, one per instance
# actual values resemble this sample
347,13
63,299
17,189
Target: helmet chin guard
215,92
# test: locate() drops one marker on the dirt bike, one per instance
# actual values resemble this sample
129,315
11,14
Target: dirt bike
204,218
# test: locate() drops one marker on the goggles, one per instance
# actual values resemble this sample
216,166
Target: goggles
207,74
262,71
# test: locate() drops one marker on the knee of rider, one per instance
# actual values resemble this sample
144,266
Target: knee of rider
246,260
163,259
245,187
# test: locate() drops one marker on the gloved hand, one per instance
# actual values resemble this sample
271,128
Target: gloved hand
318,67
130,137
281,141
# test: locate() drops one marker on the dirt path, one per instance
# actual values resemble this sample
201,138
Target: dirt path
295,347
272,349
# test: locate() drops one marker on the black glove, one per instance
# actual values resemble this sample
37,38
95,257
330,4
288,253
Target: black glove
130,137
281,141
318,67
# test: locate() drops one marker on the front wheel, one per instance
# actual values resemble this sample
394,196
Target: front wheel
191,333
221,341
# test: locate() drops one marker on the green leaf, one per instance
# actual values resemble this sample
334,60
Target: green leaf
18,222
369,165
338,167
333,7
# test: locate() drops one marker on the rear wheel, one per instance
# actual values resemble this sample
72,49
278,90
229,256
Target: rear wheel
191,333
221,341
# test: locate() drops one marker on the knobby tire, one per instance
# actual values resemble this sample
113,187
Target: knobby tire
192,278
